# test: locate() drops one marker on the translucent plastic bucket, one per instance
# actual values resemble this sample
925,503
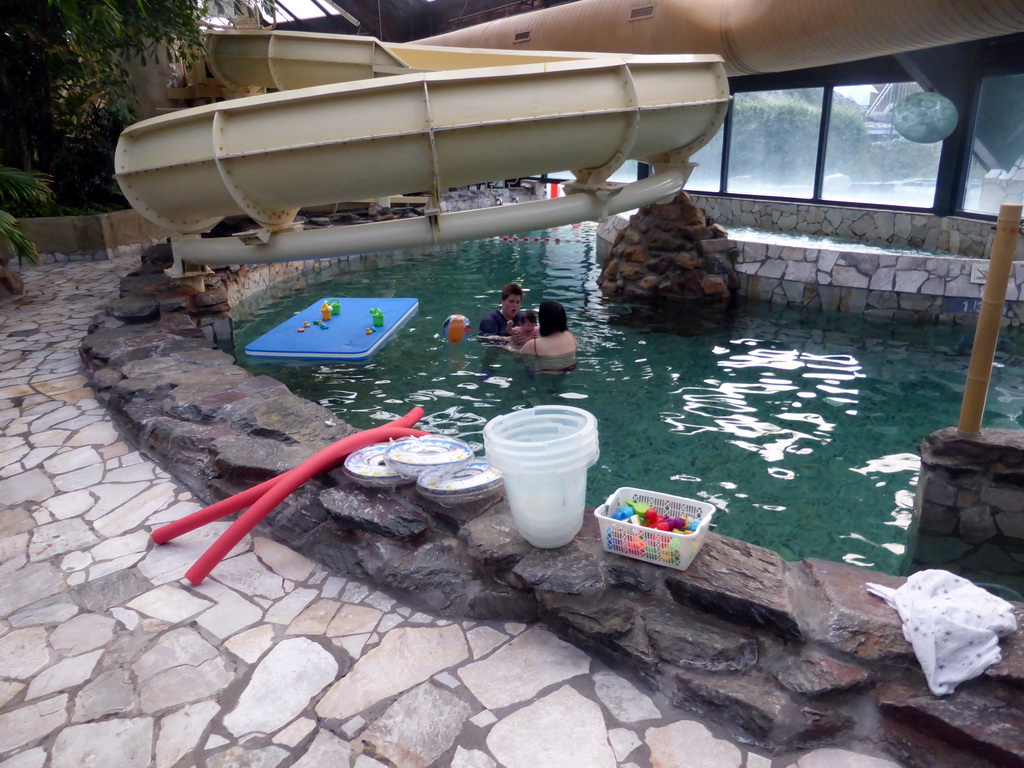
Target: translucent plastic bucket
543,454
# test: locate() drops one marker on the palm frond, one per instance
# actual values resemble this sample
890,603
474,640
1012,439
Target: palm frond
19,244
23,186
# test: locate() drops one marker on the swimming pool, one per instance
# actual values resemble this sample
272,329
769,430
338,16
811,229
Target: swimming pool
804,241
802,427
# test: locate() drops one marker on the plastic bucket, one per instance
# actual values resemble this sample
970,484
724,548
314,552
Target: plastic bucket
543,454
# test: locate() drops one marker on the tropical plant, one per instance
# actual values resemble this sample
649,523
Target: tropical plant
20,186
65,84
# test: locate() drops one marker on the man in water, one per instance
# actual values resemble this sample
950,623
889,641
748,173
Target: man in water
504,321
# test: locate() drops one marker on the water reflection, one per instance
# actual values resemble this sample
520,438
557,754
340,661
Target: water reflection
802,427
746,409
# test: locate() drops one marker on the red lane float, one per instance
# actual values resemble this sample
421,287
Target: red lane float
263,498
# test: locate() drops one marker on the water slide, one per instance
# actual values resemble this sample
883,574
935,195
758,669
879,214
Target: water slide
394,120
355,118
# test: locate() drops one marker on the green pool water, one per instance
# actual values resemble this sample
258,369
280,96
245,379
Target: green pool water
801,427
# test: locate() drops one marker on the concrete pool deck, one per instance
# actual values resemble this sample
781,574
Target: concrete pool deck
107,655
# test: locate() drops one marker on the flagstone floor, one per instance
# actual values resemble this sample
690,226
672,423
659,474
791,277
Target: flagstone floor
109,658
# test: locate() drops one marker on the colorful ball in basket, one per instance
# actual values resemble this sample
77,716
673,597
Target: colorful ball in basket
456,328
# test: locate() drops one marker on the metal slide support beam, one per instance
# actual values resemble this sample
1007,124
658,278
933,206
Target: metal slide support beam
420,232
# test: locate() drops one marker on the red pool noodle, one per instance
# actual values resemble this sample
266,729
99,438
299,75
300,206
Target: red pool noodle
243,499
266,496
284,487
214,512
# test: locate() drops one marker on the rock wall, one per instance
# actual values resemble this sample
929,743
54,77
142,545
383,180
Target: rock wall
908,287
485,196
955,235
969,508
670,251
91,238
784,655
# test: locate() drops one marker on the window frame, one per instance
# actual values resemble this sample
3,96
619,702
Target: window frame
970,64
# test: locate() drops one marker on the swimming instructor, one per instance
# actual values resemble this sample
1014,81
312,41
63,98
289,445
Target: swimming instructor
503,320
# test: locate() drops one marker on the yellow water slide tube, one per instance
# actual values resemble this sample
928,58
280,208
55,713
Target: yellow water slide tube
380,133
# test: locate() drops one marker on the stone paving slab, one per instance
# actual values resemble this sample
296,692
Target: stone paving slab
109,657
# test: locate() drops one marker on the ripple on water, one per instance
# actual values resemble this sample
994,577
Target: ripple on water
803,428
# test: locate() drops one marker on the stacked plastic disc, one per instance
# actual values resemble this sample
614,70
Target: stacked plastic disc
444,469
412,456
368,467
471,482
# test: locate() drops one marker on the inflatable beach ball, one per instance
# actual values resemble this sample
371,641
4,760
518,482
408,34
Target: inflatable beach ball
456,328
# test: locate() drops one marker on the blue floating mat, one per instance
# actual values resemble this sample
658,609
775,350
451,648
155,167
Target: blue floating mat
343,337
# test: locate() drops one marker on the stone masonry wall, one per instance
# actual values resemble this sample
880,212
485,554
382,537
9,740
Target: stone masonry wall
907,287
958,236
784,655
969,509
485,197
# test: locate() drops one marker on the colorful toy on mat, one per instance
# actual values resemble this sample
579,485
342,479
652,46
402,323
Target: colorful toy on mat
342,335
456,328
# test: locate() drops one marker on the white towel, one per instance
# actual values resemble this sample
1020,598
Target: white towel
953,625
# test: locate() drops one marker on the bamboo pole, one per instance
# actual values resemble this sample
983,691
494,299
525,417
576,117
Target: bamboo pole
987,332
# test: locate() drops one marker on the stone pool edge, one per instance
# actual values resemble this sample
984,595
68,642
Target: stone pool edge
783,655
884,287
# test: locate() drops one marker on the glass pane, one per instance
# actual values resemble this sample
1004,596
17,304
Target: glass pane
997,154
774,142
866,160
707,176
625,173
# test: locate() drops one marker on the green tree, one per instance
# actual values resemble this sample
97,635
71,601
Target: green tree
847,137
65,90
897,159
775,135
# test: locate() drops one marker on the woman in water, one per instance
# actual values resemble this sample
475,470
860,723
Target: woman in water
555,349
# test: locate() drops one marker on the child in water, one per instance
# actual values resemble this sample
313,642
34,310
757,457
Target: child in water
527,328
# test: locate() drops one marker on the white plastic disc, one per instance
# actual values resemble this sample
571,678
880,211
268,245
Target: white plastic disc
367,467
413,456
476,480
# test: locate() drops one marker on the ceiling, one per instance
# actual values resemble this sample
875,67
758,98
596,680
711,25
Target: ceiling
398,21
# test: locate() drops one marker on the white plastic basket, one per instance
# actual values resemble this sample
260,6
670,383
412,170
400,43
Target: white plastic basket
674,550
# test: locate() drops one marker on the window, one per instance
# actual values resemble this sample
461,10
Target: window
866,160
774,142
626,173
996,172
707,176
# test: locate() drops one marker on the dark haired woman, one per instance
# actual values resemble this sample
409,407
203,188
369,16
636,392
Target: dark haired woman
555,349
